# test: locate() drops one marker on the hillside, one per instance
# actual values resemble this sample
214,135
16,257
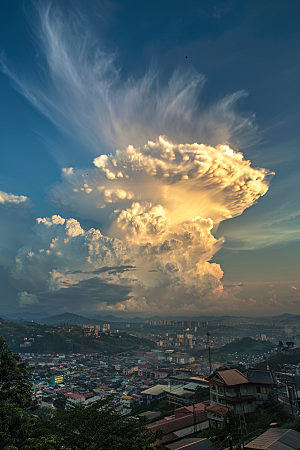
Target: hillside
245,346
49,339
276,360
70,319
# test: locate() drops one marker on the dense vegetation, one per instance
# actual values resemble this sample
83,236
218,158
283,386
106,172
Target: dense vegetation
49,339
245,346
275,361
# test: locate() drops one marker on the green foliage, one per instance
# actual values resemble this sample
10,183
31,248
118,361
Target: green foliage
156,405
15,398
52,339
245,346
42,443
276,360
15,388
43,412
99,426
201,394
293,423
16,425
60,402
255,423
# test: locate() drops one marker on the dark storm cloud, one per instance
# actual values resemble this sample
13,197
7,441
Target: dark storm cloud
85,295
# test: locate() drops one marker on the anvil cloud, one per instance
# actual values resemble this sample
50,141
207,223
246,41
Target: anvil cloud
157,206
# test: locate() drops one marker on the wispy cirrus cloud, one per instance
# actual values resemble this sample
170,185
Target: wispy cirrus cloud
80,88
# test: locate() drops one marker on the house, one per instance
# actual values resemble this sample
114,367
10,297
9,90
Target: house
216,414
237,392
126,400
262,383
148,373
276,439
184,410
77,399
180,394
174,428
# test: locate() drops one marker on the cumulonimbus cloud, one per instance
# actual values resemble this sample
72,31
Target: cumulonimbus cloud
158,205
165,177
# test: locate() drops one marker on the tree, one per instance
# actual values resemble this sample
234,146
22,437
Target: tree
99,426
15,398
15,388
60,402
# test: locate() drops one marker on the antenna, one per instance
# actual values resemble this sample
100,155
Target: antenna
208,346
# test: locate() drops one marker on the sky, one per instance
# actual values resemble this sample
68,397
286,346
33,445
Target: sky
150,157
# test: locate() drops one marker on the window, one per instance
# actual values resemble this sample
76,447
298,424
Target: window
237,389
261,390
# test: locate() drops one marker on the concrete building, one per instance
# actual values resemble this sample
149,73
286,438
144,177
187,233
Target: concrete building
154,393
238,392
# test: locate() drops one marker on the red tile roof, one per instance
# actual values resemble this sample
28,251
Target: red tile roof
75,396
231,377
218,409
172,425
184,410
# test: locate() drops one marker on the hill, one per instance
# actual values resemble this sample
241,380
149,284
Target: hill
276,360
70,319
36,338
245,346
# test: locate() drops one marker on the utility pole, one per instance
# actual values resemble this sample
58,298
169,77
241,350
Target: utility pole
208,346
229,431
194,417
82,346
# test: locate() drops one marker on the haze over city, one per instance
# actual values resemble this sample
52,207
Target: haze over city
149,158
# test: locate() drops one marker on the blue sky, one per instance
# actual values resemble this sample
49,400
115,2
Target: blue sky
81,79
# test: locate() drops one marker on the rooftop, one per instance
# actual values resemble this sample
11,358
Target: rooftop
231,377
260,376
276,439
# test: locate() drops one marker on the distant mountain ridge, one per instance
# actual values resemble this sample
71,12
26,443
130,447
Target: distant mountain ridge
69,318
97,319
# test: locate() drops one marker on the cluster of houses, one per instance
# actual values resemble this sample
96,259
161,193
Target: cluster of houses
82,380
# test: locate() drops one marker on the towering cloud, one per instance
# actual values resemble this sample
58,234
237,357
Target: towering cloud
157,206
165,178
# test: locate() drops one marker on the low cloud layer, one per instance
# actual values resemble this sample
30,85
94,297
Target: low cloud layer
14,201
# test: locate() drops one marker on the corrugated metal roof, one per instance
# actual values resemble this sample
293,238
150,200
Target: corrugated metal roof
155,390
192,444
260,376
276,439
